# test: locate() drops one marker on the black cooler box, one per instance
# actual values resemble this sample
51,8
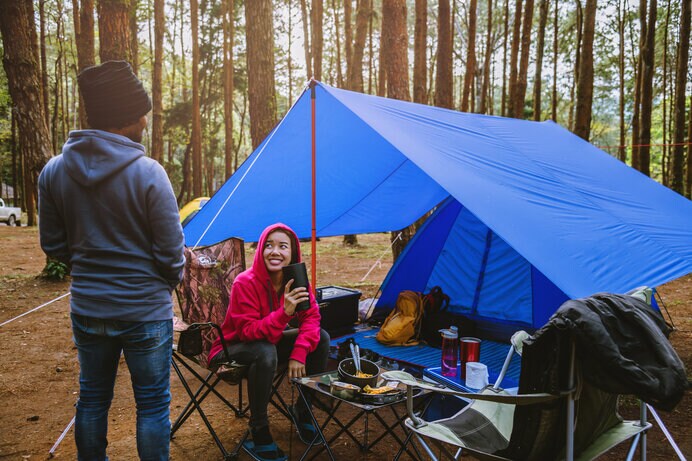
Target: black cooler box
338,308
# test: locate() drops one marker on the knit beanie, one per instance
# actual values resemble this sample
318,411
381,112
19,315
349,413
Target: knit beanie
113,95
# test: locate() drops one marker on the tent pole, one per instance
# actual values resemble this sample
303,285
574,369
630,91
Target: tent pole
313,265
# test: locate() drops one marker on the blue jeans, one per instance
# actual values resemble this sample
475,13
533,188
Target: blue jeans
147,348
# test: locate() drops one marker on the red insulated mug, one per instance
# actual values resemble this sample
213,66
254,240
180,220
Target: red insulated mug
469,351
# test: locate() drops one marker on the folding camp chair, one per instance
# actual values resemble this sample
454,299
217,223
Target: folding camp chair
539,421
203,297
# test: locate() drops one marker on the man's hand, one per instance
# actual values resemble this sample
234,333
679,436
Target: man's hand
294,297
295,369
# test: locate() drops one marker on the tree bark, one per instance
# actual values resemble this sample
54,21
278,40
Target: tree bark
84,37
316,26
485,96
678,153
444,83
522,78
114,30
420,49
688,180
513,60
582,123
157,83
553,99
21,64
348,36
196,135
259,31
395,44
638,86
134,32
306,37
355,69
470,57
647,91
537,79
44,61
228,39
622,150
503,107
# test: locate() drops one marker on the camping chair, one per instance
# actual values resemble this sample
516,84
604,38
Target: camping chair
555,415
203,297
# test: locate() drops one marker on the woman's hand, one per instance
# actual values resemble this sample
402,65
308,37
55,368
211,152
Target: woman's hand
295,369
294,297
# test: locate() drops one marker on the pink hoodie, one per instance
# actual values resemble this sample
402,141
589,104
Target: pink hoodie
256,311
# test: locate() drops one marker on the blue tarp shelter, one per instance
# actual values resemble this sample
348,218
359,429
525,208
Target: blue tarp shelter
553,216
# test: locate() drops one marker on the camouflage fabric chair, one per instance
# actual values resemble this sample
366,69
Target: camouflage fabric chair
203,297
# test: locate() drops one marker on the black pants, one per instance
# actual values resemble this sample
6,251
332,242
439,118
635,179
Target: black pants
263,358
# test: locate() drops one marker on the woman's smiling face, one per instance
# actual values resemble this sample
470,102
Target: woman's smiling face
277,251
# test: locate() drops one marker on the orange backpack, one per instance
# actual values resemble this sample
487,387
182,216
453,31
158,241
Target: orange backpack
402,325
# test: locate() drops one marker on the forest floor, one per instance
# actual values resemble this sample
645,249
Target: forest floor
39,370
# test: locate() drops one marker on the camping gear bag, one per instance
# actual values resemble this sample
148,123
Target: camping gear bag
436,317
402,325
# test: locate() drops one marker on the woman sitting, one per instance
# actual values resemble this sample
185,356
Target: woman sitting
255,328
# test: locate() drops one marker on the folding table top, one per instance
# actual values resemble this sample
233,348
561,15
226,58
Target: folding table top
493,353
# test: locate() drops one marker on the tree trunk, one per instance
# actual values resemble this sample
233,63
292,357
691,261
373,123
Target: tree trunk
228,39
470,57
196,136
520,89
577,61
553,99
306,37
638,86
678,156
340,82
134,32
114,30
688,181
44,64
513,60
622,150
84,36
582,125
420,49
647,91
395,44
259,32
444,83
21,64
503,107
316,26
355,69
157,83
537,79
348,36
485,96
665,167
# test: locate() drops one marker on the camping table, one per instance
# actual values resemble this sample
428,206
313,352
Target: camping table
330,404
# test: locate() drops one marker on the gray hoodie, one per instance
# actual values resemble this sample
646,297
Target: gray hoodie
109,211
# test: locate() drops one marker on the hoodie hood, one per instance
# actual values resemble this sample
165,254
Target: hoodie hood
91,156
258,266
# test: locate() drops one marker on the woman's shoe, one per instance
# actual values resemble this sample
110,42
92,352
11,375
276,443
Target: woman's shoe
307,433
269,452
262,446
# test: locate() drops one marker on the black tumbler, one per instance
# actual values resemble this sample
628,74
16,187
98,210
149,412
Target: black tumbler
299,274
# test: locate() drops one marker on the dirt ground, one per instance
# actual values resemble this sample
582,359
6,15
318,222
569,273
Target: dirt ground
39,369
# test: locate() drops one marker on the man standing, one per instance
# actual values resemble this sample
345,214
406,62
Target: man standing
109,212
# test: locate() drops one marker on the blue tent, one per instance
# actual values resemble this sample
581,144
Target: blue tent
579,219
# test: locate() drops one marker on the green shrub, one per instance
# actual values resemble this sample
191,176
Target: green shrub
55,270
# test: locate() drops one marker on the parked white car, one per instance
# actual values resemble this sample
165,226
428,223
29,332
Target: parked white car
10,215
